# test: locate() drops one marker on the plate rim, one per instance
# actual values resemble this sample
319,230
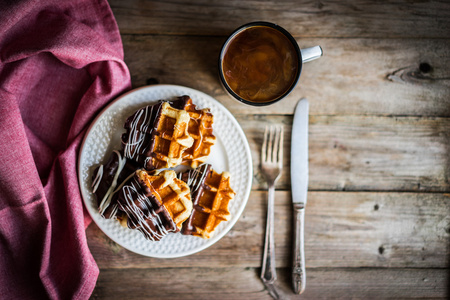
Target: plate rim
213,239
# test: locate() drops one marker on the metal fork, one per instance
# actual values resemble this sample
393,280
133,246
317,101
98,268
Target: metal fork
271,165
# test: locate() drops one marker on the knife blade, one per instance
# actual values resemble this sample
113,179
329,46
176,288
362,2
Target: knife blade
299,188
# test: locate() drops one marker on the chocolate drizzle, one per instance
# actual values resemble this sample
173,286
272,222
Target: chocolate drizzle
138,142
145,213
180,102
195,179
105,180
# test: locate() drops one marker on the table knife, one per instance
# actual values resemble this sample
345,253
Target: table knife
299,186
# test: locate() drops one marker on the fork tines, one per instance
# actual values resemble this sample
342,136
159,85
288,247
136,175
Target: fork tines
272,147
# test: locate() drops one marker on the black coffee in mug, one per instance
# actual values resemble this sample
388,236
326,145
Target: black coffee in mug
260,63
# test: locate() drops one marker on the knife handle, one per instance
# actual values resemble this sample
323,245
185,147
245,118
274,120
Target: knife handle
298,262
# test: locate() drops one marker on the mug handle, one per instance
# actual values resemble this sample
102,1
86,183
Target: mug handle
309,54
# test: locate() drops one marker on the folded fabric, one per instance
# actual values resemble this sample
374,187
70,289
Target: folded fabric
61,62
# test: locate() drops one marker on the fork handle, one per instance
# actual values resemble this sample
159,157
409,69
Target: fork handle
268,271
298,262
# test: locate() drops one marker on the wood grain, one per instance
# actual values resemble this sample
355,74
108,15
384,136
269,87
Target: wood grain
378,213
363,152
355,76
368,19
343,229
244,283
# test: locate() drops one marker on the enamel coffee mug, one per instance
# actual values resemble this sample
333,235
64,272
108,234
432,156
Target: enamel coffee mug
260,63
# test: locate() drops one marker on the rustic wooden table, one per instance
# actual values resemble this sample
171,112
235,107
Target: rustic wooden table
378,215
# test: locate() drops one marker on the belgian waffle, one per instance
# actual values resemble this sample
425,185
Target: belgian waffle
157,135
200,129
211,193
144,211
171,192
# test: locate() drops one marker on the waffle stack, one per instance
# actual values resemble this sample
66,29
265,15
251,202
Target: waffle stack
136,188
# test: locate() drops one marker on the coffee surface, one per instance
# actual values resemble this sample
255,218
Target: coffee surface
260,64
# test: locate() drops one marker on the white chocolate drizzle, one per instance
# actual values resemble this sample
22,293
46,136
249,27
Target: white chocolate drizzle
106,201
136,133
137,216
196,177
97,179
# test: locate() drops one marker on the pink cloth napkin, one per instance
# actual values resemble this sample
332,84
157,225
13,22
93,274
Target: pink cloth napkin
60,63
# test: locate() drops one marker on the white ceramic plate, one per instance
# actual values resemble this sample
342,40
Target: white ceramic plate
230,153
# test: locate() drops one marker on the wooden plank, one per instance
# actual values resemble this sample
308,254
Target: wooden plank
355,76
404,19
364,152
244,283
343,229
